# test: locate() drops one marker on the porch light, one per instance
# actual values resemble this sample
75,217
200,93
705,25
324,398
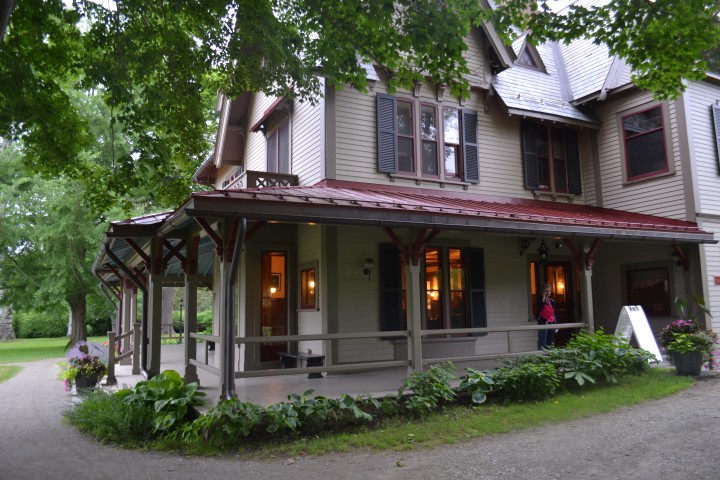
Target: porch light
543,250
368,267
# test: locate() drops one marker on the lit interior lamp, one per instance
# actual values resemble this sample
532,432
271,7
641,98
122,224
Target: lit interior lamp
560,287
273,290
434,294
311,285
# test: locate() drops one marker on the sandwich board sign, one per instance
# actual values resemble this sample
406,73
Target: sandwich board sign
633,320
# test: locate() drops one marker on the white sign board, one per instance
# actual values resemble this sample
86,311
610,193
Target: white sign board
633,320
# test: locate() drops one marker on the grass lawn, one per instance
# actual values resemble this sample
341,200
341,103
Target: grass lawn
8,371
30,349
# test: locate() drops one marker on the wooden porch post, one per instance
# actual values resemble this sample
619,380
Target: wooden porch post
154,307
414,316
129,303
190,299
585,262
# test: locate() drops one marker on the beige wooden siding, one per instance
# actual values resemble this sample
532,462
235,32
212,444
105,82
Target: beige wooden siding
587,162
309,321
255,146
710,260
307,142
608,284
703,144
664,195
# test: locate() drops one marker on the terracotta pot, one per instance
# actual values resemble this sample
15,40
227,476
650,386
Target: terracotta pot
688,363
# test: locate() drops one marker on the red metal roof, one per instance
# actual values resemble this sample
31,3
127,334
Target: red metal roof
423,202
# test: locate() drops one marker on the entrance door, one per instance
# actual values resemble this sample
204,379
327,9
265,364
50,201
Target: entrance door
274,303
559,276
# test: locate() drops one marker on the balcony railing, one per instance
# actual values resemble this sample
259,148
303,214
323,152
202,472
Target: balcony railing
255,179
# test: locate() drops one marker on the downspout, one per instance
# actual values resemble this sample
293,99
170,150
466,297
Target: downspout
134,279
229,310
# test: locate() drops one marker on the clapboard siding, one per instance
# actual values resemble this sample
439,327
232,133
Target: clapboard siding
701,96
309,322
255,147
711,256
664,195
307,142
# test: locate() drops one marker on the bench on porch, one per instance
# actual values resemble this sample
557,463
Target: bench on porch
290,360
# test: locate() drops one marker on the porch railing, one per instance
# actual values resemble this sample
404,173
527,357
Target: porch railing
354,367
204,365
255,179
115,344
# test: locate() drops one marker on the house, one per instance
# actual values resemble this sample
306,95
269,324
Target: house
388,229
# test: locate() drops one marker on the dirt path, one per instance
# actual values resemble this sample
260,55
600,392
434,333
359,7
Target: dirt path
673,438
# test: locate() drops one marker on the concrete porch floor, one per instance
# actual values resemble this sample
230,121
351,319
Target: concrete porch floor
268,390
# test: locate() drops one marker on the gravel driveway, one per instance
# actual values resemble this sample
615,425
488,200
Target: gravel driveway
672,438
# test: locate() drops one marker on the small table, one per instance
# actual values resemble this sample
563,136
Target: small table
290,360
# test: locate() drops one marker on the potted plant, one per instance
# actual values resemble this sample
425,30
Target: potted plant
86,365
689,345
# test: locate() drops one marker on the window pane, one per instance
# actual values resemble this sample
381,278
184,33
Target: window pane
451,126
307,289
272,152
284,149
433,287
559,164
430,164
406,155
646,154
451,160
543,156
649,288
642,122
404,119
428,123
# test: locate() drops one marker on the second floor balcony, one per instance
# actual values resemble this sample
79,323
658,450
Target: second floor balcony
254,179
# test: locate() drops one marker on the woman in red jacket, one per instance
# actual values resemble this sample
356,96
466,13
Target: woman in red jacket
546,315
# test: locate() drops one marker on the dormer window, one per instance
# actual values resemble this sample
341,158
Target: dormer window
526,59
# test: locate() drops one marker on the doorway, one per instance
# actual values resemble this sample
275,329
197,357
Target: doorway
559,276
273,303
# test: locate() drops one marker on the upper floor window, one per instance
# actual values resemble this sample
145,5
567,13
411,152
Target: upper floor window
551,158
424,140
278,149
645,145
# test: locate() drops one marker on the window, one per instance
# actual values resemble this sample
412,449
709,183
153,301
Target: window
649,288
454,287
643,134
526,59
420,145
278,149
451,142
308,289
552,158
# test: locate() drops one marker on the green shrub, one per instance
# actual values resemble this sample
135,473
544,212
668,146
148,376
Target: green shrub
36,324
428,389
477,384
109,419
525,382
226,423
169,397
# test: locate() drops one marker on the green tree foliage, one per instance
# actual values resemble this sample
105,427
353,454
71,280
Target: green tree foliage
160,63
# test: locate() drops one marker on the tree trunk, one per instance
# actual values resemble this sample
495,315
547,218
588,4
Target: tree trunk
7,332
78,313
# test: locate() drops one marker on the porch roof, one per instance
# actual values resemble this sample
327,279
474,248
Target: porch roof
353,203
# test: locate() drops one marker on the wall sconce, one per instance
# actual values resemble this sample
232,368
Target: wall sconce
543,250
679,258
368,267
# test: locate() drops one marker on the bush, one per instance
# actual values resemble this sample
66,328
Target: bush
36,324
109,419
429,388
525,382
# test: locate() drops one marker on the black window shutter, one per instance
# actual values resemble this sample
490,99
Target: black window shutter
476,288
471,169
391,312
530,161
572,156
716,122
386,133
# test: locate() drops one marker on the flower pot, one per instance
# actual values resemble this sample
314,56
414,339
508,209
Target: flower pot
83,381
688,363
